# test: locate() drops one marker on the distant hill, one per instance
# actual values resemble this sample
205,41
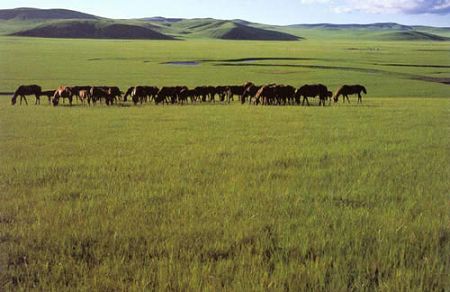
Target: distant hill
376,26
162,19
33,13
412,36
62,23
244,32
93,30
228,30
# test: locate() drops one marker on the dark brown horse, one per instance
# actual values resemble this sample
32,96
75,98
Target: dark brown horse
314,90
347,90
49,94
24,90
142,93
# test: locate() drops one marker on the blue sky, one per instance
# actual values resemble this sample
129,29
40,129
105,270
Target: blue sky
426,12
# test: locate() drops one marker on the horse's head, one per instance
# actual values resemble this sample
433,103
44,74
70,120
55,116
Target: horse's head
364,90
55,101
13,100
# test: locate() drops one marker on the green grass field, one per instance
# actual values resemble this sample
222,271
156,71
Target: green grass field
226,197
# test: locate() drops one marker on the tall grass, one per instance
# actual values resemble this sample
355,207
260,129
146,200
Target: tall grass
212,197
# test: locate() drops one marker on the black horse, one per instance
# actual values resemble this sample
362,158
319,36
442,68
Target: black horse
347,90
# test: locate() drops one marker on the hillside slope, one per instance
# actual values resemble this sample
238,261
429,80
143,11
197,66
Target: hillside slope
94,30
226,30
48,14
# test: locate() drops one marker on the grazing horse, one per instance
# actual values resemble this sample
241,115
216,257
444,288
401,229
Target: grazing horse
250,91
62,92
77,89
27,90
224,93
347,90
99,92
49,94
128,93
313,91
84,95
236,90
141,93
167,94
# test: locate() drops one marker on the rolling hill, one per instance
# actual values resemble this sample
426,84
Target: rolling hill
62,23
47,14
93,29
227,30
412,36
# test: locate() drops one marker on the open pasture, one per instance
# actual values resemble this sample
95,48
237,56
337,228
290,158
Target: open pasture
226,197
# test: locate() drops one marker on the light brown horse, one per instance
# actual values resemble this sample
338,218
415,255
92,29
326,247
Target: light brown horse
84,95
62,92
24,90
347,90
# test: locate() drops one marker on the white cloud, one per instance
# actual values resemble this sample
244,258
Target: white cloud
388,6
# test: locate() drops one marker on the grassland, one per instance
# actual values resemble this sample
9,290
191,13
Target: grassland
215,197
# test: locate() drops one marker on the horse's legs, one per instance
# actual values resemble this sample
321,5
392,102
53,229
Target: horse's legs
307,101
359,98
25,98
346,97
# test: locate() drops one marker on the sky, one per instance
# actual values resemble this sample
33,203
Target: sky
282,12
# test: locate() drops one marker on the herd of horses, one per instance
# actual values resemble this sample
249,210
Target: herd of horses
271,94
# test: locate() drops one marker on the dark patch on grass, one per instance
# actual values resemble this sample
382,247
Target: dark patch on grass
7,219
351,203
72,196
19,260
442,80
342,68
264,59
413,65
83,251
287,163
363,70
363,49
433,50
182,63
262,243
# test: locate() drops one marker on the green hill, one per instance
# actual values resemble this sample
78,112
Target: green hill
33,13
93,29
226,30
411,36
62,23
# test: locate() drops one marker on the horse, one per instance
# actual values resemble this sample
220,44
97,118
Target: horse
64,92
99,92
49,94
224,92
347,90
284,94
236,90
250,91
312,91
24,90
167,94
77,89
84,94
